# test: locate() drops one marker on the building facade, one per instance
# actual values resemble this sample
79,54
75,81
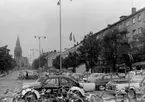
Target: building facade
134,24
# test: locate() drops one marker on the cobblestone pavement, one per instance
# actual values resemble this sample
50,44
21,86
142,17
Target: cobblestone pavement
10,82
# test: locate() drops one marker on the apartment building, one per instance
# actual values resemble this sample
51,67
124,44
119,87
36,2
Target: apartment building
133,25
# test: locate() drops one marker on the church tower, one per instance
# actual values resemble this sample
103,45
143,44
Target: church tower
18,52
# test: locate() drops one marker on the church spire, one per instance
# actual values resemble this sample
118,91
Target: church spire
18,41
18,49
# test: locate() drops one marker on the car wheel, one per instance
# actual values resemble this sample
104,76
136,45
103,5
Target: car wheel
131,94
77,93
30,97
96,98
77,97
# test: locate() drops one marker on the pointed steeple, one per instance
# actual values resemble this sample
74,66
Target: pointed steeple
18,49
18,41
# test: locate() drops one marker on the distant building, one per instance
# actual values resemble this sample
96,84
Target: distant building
51,56
20,60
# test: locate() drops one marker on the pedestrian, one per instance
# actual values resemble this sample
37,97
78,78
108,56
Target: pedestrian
27,75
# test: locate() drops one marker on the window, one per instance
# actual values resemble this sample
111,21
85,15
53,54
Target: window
139,31
127,23
134,32
64,81
119,26
97,37
133,20
139,17
53,81
107,77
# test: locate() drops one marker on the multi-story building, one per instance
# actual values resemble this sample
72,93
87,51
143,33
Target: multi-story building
133,25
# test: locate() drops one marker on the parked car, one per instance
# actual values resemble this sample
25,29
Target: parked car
93,77
54,82
132,85
85,77
104,79
78,76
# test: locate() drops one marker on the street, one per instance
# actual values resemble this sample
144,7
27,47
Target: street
11,82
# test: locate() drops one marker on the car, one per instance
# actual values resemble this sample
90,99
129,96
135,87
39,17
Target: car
94,76
132,85
54,82
104,79
78,76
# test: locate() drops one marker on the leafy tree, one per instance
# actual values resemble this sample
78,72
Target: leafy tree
6,61
43,61
138,46
56,62
114,46
89,51
35,64
72,60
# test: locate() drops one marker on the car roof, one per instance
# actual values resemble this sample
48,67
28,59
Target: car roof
61,76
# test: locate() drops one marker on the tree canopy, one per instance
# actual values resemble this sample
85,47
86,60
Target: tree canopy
114,46
43,61
6,61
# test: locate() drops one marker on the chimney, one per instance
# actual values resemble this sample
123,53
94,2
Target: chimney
133,10
122,17
109,25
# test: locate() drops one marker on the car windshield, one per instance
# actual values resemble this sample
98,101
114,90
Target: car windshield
41,79
138,78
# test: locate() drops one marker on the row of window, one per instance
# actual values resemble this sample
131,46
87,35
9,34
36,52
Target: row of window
133,21
137,31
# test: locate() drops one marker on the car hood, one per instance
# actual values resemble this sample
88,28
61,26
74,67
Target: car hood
32,84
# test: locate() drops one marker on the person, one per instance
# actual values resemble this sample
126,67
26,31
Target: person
27,75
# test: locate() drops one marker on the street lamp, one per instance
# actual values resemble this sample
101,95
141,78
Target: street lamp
39,38
59,3
60,34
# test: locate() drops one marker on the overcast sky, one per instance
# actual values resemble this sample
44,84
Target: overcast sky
29,18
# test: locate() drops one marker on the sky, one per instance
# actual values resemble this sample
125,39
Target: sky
29,18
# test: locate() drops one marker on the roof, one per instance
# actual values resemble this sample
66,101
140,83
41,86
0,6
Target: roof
61,76
121,20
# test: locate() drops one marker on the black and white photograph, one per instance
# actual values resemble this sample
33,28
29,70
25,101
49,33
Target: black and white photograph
72,50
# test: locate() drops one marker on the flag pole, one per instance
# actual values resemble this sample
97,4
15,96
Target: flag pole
60,36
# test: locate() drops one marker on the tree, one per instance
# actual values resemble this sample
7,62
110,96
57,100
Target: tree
114,46
72,60
56,62
43,61
89,51
6,61
138,44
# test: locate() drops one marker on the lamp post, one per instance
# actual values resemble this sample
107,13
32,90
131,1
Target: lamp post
59,3
60,35
39,38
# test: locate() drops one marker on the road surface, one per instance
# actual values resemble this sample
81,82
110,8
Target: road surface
10,82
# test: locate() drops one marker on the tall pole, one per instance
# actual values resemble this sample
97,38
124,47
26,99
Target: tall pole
60,37
39,38
39,52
